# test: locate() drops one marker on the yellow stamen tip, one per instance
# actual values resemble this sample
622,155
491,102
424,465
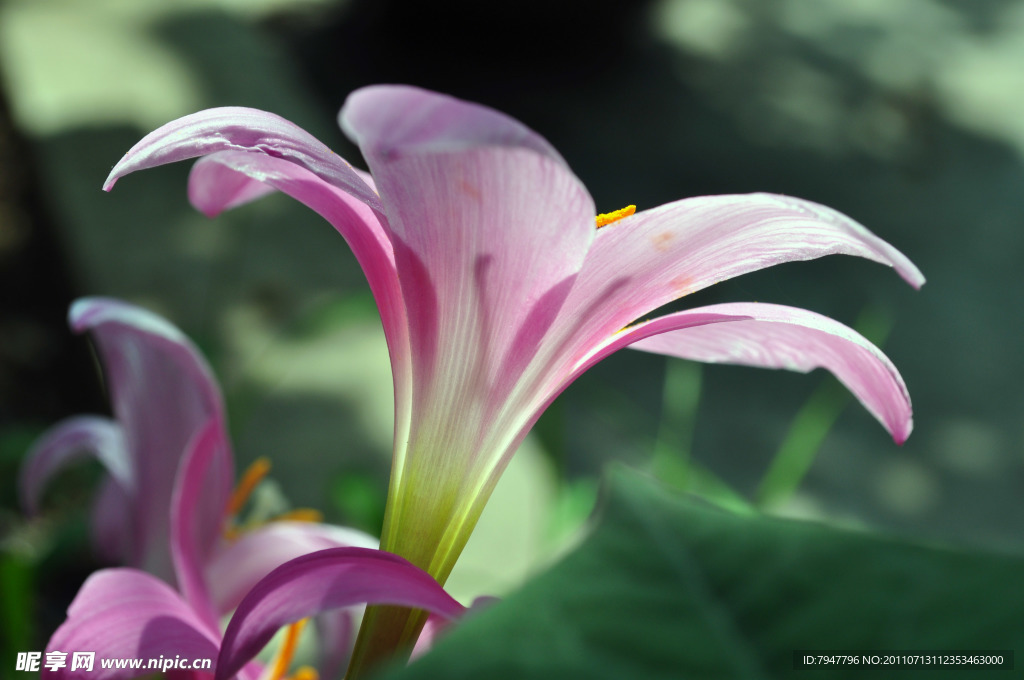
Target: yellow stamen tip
300,515
604,219
252,477
305,673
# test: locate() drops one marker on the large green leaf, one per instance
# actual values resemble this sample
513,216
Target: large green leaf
669,587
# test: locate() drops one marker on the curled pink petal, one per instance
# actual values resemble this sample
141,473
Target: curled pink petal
163,394
224,179
325,580
242,129
659,255
774,336
69,440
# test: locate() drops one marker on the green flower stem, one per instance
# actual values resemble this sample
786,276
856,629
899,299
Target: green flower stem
387,634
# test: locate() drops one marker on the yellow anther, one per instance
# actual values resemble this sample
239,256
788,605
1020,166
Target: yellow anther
300,515
305,673
252,477
604,219
287,651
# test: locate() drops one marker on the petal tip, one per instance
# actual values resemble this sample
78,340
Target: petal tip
901,434
912,275
116,172
89,313
81,312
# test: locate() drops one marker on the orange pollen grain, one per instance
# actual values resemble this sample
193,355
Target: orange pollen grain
252,477
284,656
604,219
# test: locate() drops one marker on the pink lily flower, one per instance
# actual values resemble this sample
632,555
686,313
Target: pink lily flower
164,397
160,385
125,613
498,284
163,393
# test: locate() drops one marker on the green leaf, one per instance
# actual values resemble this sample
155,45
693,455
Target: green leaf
670,587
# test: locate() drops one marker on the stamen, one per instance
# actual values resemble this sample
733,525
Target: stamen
604,219
253,476
305,673
284,657
300,515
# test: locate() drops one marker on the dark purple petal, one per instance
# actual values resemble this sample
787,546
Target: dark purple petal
329,579
236,566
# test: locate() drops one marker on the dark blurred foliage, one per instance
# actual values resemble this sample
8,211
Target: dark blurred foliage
45,374
36,352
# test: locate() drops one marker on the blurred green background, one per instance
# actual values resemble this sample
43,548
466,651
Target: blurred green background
908,116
